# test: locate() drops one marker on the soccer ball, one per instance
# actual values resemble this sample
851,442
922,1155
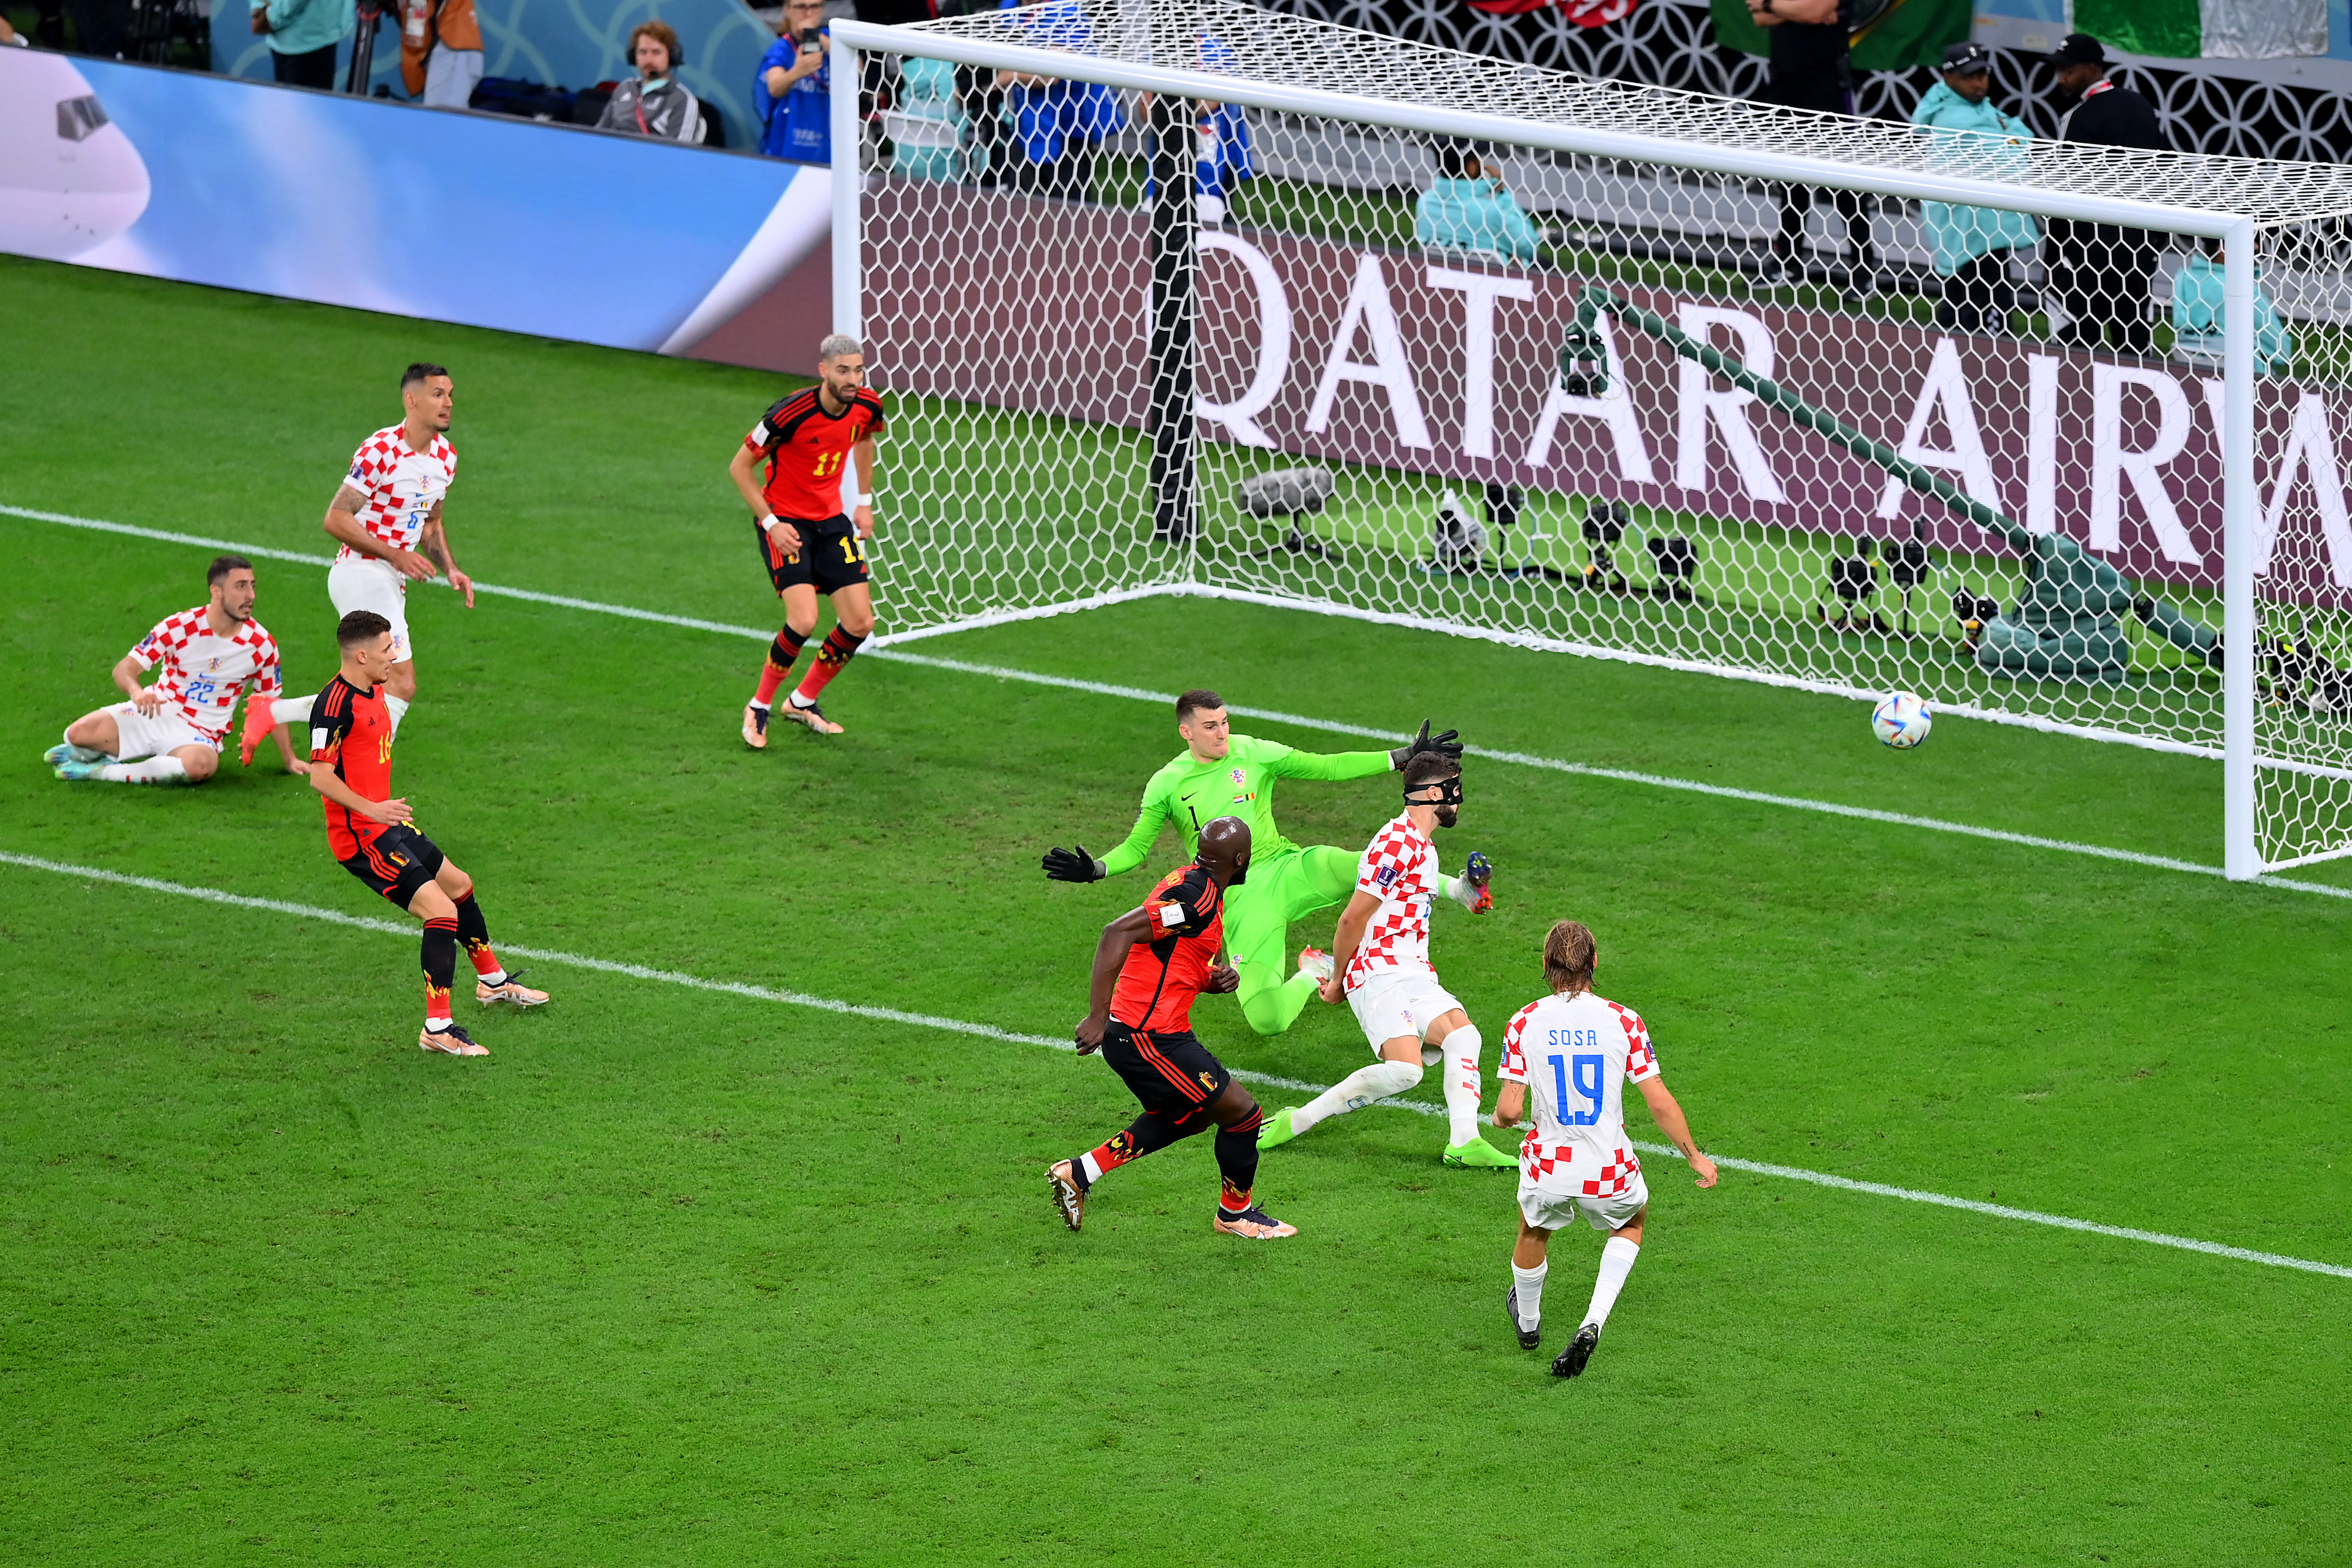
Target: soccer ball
1902,721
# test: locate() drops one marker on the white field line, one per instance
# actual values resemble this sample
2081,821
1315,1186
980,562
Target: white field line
879,647
990,1031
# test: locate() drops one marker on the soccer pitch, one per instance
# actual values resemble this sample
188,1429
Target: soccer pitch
711,1273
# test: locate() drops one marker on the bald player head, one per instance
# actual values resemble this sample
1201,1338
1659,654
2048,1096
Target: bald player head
1225,850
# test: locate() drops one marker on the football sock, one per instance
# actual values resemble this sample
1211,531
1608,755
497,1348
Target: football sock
397,707
440,958
1462,1047
1270,1001
1616,1262
839,648
1357,1089
154,769
81,754
474,936
292,709
782,653
1237,1161
1530,1285
1146,1133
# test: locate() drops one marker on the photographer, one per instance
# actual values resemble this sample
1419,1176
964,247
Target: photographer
655,104
792,96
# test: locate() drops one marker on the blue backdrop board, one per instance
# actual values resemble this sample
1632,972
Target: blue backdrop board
559,43
456,218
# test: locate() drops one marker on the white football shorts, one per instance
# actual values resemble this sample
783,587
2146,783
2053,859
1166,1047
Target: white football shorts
1548,1208
143,737
1392,1003
373,585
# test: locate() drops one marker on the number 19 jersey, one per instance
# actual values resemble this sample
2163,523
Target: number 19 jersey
1576,1053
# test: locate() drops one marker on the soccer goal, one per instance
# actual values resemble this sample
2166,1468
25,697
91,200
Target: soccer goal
1193,297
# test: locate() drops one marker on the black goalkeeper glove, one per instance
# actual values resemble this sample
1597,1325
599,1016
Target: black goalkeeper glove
1443,745
1074,866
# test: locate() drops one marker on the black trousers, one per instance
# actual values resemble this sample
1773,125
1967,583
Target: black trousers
1979,296
2099,274
1796,201
314,68
1069,176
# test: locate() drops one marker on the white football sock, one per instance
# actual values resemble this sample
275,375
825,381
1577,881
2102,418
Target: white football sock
81,754
396,707
801,702
1357,1089
292,709
1530,1286
1616,1262
1462,1047
154,769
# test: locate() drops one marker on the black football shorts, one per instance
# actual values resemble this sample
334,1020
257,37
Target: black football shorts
1173,1074
829,559
400,861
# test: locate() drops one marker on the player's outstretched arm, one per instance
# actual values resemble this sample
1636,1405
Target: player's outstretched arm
1156,813
1111,953
1447,745
1676,1127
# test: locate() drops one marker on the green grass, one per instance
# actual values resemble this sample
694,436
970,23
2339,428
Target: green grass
678,1276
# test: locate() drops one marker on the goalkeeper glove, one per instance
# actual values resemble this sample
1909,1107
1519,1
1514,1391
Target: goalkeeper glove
1074,866
1470,889
1443,745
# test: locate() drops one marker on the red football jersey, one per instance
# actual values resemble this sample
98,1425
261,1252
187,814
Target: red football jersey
806,449
1163,975
351,733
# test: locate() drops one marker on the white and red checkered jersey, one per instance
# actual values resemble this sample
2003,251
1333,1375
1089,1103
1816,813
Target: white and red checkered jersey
1576,1054
1400,869
204,672
402,485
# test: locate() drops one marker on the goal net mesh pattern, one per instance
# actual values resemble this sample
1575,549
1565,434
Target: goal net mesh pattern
1464,384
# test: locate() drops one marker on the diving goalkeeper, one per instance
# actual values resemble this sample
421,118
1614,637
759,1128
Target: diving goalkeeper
1221,773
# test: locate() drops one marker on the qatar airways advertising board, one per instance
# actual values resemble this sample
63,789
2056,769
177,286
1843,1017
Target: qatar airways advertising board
1407,360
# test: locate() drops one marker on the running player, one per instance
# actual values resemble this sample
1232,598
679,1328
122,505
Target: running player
386,515
1380,962
1572,1052
1220,770
372,834
808,544
1160,956
170,732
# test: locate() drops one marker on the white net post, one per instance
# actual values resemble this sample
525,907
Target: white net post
2241,855
847,138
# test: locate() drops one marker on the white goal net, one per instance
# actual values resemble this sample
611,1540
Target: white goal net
1195,296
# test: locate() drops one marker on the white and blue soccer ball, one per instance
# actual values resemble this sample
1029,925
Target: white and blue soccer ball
1902,721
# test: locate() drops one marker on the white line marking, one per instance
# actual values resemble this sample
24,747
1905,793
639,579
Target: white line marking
989,1031
879,647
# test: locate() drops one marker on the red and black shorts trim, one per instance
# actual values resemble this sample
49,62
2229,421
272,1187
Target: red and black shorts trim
830,557
397,863
1173,1074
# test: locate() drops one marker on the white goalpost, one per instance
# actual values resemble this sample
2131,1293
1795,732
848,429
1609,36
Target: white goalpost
1193,297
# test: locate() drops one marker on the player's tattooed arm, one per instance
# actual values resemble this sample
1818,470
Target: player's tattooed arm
1510,1104
1671,1121
342,526
1111,953
434,539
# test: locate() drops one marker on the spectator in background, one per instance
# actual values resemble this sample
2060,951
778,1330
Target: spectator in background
440,51
655,104
2197,317
2098,271
1974,246
1468,209
792,95
1809,69
303,37
1056,124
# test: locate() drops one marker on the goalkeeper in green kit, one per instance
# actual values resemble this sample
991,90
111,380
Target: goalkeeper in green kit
1221,773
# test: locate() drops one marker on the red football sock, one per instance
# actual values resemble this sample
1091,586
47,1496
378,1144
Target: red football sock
781,655
839,647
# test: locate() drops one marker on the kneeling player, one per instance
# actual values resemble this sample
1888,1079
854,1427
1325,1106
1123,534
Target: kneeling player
1381,949
1161,956
170,732
1572,1052
372,835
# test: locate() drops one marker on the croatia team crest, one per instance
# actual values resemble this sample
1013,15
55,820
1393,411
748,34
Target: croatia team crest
1240,777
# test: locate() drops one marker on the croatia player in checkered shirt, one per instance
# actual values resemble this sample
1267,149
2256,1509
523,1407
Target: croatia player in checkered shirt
1380,963
386,515
806,542
170,732
1571,1054
1151,963
371,833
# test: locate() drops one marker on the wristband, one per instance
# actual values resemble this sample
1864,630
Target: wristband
767,522
865,499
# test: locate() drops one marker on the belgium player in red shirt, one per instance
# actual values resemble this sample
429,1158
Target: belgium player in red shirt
809,544
371,833
1158,958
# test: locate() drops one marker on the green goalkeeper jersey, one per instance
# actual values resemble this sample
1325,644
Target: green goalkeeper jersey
1240,784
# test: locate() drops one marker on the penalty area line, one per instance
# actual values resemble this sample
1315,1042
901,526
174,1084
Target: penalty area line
990,1031
880,647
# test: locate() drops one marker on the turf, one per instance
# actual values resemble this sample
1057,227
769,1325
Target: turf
681,1276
